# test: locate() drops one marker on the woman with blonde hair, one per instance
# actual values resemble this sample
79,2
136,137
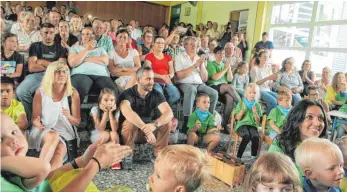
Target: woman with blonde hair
56,106
38,12
330,98
76,26
323,83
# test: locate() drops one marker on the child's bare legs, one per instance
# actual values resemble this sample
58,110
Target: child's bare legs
192,138
114,136
58,156
212,141
49,144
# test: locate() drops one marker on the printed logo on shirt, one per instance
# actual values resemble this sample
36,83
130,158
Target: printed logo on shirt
8,66
50,55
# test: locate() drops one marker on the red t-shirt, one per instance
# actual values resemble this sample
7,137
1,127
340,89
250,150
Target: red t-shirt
160,67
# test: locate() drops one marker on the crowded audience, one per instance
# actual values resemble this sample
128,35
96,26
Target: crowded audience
52,59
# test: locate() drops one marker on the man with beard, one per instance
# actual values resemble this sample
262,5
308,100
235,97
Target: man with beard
138,121
41,54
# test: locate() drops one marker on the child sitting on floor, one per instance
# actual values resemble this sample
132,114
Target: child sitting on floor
201,125
105,118
342,144
21,173
179,168
11,106
272,172
321,161
278,115
247,113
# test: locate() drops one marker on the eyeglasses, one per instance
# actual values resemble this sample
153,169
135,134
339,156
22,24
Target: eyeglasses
65,71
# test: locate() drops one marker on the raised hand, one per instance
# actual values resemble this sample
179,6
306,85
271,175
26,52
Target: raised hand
111,153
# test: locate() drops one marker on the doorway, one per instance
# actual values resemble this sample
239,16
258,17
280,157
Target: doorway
238,20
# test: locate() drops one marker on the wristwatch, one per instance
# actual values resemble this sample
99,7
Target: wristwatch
156,125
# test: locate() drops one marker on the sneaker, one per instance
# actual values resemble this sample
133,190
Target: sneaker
127,163
116,166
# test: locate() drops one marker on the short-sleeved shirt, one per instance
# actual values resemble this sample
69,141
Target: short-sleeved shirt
95,111
89,68
25,38
106,42
248,116
161,66
15,110
259,73
182,61
290,80
205,125
240,82
262,45
330,95
15,183
70,41
278,117
174,51
212,68
49,53
213,34
144,107
128,61
340,98
11,62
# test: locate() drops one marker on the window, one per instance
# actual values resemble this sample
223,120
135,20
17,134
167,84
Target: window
310,30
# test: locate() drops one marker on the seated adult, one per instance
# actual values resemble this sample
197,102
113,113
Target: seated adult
65,38
262,76
307,76
56,106
146,46
191,74
174,47
291,79
27,34
89,66
233,53
126,62
323,83
220,76
305,120
163,69
332,90
17,25
210,55
108,32
213,32
264,43
138,122
54,18
103,41
204,44
76,26
41,54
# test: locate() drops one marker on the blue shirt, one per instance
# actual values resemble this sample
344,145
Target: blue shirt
262,45
88,68
308,187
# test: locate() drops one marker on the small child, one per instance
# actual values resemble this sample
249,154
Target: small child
247,113
106,112
201,124
272,172
278,115
342,144
187,169
241,78
342,97
11,60
321,161
11,106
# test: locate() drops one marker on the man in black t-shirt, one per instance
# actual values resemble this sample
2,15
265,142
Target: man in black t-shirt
137,120
41,54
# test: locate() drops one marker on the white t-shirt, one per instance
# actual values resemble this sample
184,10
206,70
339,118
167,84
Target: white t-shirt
258,73
182,61
128,61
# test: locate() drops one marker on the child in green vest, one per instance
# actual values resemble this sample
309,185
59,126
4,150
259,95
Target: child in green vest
201,125
278,114
248,112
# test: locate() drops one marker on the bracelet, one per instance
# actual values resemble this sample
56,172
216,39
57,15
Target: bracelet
74,164
98,163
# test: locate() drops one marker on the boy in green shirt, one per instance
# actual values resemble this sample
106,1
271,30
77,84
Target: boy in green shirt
248,112
201,124
342,96
11,106
278,115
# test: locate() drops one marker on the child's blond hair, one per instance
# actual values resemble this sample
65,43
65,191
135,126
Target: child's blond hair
256,87
342,144
272,167
313,149
282,95
188,164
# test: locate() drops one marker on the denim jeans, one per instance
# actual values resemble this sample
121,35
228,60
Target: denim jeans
270,98
340,131
26,90
296,98
173,94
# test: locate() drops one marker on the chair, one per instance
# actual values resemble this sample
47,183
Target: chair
233,134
